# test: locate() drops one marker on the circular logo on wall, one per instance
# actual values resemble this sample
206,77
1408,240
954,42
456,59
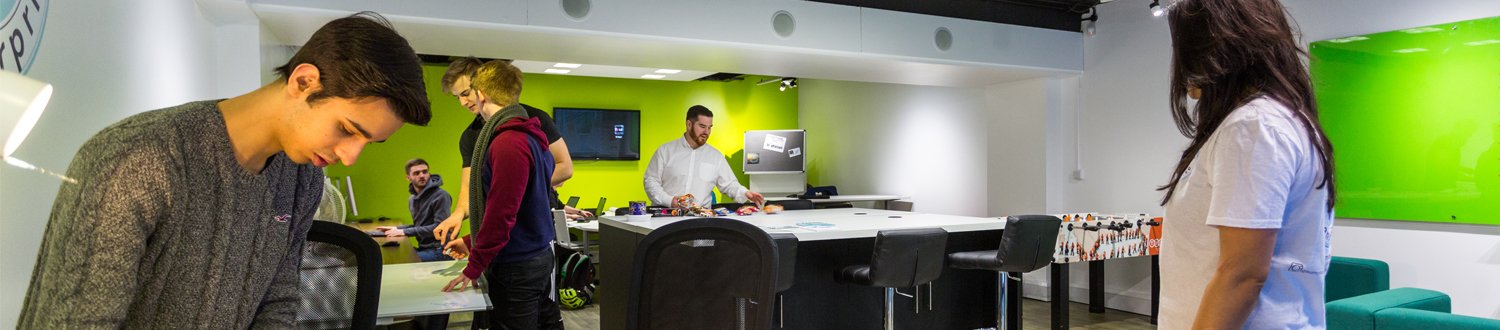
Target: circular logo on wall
21,33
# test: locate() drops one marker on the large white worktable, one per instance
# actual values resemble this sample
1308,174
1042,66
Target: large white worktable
415,289
820,302
847,222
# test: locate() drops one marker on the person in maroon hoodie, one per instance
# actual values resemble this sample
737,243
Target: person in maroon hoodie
510,216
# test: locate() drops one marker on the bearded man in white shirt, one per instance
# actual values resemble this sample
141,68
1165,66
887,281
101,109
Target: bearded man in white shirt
689,166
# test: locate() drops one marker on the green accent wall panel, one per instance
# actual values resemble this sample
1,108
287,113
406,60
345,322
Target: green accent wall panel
1414,117
380,185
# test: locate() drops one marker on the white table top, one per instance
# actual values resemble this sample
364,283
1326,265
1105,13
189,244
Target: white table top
416,289
590,226
844,198
847,222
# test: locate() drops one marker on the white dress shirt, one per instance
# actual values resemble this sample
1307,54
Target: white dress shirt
678,169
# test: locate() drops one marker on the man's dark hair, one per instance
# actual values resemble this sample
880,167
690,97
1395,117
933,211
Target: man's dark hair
362,56
415,162
699,110
462,67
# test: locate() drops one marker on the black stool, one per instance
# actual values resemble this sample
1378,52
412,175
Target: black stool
786,256
1026,244
903,258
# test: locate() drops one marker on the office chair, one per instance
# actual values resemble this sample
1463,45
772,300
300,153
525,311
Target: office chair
905,258
340,278
786,271
703,273
1026,244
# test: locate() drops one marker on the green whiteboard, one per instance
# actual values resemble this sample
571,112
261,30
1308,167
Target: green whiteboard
1414,117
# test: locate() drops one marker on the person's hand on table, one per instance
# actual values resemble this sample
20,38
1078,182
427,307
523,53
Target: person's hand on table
395,233
575,213
385,228
760,200
457,248
682,202
459,283
448,229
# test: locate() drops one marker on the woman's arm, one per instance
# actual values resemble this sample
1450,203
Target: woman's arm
1244,261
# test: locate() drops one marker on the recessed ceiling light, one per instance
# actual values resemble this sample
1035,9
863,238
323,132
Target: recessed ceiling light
567,65
1482,42
667,71
653,76
1410,50
1422,30
1348,40
558,71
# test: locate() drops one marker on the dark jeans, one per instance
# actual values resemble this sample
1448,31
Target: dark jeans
433,254
523,294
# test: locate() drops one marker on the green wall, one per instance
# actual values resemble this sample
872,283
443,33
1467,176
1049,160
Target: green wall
1414,117
380,187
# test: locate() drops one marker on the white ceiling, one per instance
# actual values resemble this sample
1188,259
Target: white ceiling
540,44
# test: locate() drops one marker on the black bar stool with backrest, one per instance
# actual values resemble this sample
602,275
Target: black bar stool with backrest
1026,244
705,273
904,258
786,272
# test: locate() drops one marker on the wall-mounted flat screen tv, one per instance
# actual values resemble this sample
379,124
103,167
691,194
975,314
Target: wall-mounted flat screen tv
600,134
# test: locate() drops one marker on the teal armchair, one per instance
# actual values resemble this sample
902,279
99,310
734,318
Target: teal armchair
1358,296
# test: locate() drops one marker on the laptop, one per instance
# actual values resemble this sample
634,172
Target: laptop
598,211
573,201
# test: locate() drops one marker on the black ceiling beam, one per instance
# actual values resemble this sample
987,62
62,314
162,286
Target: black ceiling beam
1048,14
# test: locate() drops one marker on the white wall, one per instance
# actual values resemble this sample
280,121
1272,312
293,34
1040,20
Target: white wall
108,60
919,141
1129,144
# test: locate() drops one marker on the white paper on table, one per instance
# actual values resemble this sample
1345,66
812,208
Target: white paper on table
775,143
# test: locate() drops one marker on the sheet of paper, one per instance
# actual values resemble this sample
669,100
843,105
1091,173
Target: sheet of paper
775,143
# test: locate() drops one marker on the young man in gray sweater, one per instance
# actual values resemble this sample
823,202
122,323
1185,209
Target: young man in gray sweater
195,216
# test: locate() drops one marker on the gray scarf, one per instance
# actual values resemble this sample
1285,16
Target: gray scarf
480,156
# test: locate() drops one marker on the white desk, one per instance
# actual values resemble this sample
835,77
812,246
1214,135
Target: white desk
416,289
847,222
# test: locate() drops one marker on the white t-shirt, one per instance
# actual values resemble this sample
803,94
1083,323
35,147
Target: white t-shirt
678,169
1258,170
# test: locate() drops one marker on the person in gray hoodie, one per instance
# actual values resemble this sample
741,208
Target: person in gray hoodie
429,205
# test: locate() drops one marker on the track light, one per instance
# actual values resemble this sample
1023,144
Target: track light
1089,22
1156,8
788,83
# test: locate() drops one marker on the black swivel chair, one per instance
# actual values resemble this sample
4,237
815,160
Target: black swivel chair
340,278
786,271
905,258
1026,244
704,273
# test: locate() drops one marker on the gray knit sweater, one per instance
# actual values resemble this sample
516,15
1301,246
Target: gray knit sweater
164,229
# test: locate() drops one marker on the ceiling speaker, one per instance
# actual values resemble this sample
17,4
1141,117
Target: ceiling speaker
783,23
577,9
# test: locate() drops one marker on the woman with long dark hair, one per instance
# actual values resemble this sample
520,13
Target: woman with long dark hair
1250,202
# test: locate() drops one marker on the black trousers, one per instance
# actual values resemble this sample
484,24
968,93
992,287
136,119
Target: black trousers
523,294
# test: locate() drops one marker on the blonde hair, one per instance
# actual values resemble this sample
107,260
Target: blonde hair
499,81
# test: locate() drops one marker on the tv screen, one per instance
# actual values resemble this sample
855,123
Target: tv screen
600,133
